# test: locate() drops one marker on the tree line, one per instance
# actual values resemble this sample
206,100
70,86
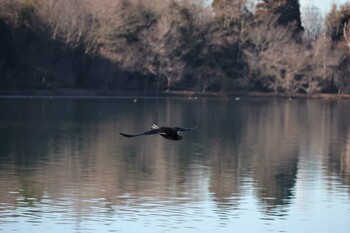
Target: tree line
163,45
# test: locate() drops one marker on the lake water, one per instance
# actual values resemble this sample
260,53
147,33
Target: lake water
253,165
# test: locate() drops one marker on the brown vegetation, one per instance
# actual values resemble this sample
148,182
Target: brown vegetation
173,45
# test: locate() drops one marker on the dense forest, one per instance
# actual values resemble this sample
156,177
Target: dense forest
164,45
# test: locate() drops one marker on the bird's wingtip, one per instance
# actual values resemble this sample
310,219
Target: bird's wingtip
126,135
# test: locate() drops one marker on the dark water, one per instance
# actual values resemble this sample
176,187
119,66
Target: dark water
252,166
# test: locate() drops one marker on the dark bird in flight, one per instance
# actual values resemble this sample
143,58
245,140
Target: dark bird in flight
171,133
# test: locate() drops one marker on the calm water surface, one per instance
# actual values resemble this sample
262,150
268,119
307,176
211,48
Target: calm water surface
253,165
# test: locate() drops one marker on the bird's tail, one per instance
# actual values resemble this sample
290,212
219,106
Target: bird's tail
154,126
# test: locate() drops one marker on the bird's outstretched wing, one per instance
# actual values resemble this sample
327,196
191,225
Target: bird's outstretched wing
150,132
178,129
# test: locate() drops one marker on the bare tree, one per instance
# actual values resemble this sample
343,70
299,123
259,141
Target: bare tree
165,44
346,33
313,21
169,43
228,10
282,65
267,47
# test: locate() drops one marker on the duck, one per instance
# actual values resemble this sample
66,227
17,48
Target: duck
170,133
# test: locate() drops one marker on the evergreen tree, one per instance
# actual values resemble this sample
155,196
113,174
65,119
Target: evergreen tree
288,12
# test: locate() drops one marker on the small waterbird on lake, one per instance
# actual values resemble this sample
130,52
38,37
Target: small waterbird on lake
170,133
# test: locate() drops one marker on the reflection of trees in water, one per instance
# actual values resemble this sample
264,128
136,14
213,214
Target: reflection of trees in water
73,148
273,153
276,154
246,147
338,162
307,128
223,123
345,162
267,145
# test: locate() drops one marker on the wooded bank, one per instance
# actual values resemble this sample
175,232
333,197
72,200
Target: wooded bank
167,45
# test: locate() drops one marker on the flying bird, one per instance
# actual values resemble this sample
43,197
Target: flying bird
171,133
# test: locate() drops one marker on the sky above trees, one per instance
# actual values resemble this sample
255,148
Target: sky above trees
324,5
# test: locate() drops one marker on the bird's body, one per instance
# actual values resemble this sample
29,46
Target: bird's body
170,133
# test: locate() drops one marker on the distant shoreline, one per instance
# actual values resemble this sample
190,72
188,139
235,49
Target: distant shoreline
71,92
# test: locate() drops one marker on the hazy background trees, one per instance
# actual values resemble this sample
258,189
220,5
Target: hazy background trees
232,45
313,22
